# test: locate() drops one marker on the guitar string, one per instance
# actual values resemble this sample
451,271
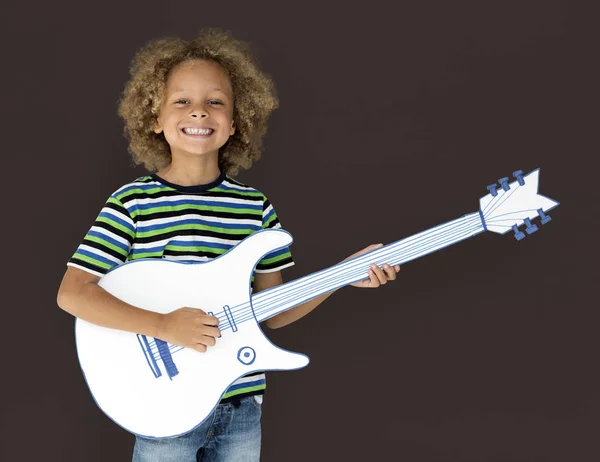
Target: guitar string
223,317
377,255
501,202
354,276
335,277
415,248
246,305
359,269
500,199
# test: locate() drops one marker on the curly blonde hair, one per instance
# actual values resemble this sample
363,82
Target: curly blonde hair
254,97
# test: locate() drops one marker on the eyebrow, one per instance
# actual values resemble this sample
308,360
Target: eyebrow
179,90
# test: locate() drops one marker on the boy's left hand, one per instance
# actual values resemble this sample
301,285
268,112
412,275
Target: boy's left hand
377,275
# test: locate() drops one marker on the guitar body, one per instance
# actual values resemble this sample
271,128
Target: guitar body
156,391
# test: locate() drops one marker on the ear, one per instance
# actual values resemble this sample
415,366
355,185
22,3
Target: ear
157,127
232,130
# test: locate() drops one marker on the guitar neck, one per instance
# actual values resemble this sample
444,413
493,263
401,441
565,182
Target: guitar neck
271,302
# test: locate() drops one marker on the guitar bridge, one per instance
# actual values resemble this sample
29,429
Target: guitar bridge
160,350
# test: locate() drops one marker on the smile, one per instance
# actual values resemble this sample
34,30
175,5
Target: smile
198,131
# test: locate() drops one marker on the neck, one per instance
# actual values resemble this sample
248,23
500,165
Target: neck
271,302
191,171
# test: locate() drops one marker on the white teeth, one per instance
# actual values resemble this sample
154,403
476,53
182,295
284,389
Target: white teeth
197,131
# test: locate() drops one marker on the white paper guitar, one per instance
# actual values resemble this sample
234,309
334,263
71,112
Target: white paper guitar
155,389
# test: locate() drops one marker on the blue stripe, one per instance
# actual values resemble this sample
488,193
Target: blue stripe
110,240
161,248
122,222
277,253
196,202
195,221
247,384
143,187
269,215
95,257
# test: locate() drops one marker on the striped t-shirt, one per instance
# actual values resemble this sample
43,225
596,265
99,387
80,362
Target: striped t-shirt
152,218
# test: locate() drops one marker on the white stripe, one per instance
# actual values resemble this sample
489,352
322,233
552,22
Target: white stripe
95,273
97,252
190,216
186,257
135,183
231,185
119,215
199,239
248,379
268,210
192,199
279,268
110,234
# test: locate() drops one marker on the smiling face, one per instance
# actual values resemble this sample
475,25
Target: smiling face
196,111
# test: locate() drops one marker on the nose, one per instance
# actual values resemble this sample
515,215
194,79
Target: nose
199,111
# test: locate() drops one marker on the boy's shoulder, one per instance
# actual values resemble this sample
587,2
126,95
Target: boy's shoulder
149,185
140,185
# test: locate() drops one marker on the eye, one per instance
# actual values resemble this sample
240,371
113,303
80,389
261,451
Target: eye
181,101
214,101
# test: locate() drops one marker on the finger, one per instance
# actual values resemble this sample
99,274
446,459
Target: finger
380,274
213,332
210,320
389,272
374,279
206,340
200,348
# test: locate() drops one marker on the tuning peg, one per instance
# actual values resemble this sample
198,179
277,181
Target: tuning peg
545,218
504,183
519,176
518,234
492,188
531,228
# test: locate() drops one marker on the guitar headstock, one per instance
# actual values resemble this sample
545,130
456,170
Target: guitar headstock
509,205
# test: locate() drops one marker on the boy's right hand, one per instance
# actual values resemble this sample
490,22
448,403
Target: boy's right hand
190,328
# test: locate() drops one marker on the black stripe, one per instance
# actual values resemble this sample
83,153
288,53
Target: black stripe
103,248
133,194
273,223
192,253
275,264
112,229
119,208
191,232
85,264
242,395
147,215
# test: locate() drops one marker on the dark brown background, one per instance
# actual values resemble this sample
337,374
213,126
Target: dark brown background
393,119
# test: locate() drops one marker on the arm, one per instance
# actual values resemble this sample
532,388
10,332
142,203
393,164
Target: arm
264,281
377,277
80,295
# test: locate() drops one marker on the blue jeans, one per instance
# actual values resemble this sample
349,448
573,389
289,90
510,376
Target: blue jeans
230,434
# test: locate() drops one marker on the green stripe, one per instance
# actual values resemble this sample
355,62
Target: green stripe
200,207
196,248
271,220
115,225
91,260
232,232
283,256
106,244
239,391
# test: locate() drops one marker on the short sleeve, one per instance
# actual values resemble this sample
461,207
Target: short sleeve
108,242
281,258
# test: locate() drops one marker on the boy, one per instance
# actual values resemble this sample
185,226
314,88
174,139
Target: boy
195,112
